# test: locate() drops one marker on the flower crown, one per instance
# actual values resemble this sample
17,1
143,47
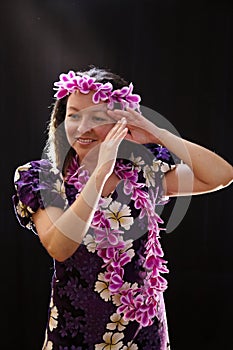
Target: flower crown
71,82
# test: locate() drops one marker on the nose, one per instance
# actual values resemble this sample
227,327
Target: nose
84,125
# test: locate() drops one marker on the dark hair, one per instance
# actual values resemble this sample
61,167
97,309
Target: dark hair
57,148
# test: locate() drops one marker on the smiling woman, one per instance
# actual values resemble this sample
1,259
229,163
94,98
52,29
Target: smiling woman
86,124
96,213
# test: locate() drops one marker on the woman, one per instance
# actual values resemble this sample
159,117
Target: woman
94,212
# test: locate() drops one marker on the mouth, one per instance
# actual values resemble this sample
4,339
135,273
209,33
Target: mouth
84,141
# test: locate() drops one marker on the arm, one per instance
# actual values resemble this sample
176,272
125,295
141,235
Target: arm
201,171
62,232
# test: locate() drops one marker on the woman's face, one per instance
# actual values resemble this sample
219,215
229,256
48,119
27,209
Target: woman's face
86,123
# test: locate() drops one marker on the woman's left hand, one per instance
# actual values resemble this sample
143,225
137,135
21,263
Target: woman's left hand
140,129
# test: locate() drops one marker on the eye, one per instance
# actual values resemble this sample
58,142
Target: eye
74,116
98,119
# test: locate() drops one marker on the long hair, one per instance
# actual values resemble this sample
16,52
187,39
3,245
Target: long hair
57,148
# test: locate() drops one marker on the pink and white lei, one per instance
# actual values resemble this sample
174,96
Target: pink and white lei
134,302
71,82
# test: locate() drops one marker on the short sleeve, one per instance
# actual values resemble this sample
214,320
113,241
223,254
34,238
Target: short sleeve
37,185
163,161
166,159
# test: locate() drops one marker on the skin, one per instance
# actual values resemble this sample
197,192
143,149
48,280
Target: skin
96,133
86,121
202,170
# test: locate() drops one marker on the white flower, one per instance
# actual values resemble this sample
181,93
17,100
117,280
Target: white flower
165,167
22,210
60,188
128,245
53,319
90,243
48,346
54,170
130,346
101,286
119,215
149,175
156,165
118,322
116,299
112,341
137,161
24,167
105,201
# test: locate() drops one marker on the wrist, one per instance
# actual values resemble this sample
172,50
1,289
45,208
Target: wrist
158,135
100,177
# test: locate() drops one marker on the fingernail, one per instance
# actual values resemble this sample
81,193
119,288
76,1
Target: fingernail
123,120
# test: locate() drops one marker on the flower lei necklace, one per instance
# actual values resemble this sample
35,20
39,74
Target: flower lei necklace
134,302
71,82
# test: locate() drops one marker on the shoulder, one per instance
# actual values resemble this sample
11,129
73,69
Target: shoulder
38,173
38,183
34,168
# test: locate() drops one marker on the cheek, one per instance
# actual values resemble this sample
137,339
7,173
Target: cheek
70,131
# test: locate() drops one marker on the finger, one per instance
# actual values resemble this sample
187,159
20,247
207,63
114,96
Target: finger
129,113
118,126
119,135
114,115
130,116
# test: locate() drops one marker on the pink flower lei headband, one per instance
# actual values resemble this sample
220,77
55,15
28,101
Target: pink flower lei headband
71,82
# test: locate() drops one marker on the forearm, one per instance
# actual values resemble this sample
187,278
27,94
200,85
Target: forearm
67,231
206,165
62,232
208,170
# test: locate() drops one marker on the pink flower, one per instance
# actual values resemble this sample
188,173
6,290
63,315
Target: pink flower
159,283
134,303
131,304
71,82
125,97
86,84
106,237
67,83
99,220
115,283
102,93
77,178
155,264
108,254
123,259
146,312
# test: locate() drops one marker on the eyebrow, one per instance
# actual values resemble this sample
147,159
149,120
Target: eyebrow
94,108
72,107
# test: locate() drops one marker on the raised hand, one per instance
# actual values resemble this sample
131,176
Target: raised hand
140,129
109,147
102,158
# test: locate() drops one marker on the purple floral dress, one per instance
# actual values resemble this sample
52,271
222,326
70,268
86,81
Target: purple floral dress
109,293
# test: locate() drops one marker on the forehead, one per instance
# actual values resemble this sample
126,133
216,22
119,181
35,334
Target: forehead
81,101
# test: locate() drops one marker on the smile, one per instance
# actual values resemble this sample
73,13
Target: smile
85,141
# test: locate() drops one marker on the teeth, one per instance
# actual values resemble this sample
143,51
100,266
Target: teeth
85,140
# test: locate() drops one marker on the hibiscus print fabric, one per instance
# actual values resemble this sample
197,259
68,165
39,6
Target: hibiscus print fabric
109,293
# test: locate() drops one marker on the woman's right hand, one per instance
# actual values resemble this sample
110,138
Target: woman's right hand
101,159
109,148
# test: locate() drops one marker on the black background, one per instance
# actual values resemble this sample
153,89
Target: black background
179,54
